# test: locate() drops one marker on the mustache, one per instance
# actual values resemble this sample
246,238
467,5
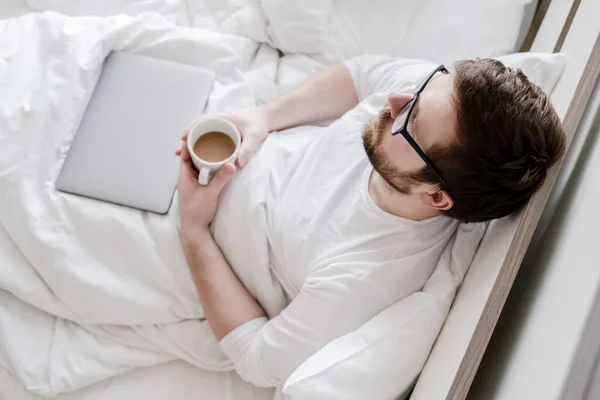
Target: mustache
385,113
384,116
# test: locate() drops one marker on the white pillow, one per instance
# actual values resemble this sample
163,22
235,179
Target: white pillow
437,30
383,358
543,69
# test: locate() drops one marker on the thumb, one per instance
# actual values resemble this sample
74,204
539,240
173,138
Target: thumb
222,177
246,150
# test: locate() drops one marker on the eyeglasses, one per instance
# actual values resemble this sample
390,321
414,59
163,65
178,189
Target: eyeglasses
400,125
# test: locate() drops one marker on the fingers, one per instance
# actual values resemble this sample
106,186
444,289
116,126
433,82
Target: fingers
186,172
246,150
184,152
222,177
183,141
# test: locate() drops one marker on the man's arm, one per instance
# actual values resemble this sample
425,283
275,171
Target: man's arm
326,95
226,302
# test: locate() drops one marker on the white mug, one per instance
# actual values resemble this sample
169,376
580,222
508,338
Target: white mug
206,169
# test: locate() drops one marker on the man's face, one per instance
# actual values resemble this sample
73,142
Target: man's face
432,124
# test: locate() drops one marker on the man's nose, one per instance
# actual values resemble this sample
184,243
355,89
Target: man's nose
397,101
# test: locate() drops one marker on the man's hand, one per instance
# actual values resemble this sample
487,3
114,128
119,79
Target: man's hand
253,127
197,203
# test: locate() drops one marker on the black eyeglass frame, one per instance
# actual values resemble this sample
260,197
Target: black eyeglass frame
404,129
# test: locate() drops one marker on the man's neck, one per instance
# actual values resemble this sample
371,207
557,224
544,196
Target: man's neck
404,206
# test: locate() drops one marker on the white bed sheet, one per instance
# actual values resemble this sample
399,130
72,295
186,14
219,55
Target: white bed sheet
175,380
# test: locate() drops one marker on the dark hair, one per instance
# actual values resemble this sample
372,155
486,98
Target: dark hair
508,135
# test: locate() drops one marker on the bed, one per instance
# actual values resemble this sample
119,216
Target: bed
261,55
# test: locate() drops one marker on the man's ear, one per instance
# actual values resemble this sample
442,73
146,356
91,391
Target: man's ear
439,200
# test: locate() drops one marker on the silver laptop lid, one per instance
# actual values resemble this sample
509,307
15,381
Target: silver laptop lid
123,151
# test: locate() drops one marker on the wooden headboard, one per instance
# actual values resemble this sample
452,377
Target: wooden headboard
458,351
538,18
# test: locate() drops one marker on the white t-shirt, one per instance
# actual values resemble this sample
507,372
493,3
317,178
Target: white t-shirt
339,258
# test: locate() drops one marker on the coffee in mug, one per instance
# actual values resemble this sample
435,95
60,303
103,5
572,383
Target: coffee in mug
212,142
214,146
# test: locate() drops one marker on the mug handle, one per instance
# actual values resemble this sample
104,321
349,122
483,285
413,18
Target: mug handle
203,176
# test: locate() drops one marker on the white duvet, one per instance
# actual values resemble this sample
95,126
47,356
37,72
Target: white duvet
90,290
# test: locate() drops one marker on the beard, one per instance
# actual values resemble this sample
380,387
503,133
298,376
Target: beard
372,134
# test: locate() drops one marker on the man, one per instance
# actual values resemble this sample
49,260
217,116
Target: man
358,222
